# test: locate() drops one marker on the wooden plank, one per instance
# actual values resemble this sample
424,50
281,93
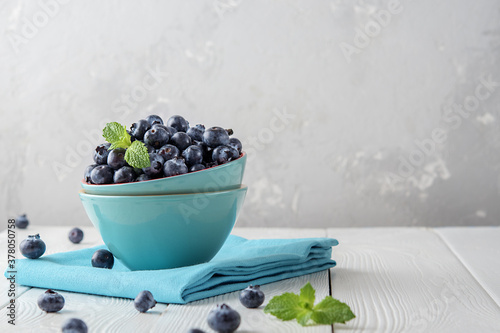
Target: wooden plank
478,249
407,280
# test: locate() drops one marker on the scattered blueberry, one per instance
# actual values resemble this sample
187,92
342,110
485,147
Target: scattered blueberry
179,123
50,301
224,154
236,144
195,330
86,176
139,128
154,119
103,259
75,235
215,136
252,296
22,221
32,247
125,174
223,319
101,153
193,155
174,167
168,152
74,325
196,132
144,301
116,158
156,137
143,177
156,167
181,140
102,174
196,167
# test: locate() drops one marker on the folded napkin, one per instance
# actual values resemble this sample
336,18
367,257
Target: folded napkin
239,263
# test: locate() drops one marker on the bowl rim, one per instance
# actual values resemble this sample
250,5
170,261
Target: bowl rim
85,184
82,193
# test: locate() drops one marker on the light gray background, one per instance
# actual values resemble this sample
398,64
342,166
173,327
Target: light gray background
336,161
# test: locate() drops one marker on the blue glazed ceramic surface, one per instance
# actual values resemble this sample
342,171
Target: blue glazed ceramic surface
164,231
223,177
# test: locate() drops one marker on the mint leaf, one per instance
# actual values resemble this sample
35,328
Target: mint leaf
117,135
291,306
330,311
285,307
137,155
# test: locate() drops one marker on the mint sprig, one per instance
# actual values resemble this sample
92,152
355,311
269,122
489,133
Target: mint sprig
136,154
292,306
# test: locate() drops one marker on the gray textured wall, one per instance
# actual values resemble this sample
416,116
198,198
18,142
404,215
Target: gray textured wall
355,113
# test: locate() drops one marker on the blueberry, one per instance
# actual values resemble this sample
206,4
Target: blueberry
171,131
168,152
103,259
75,235
196,132
224,154
210,164
156,137
144,301
174,167
196,167
125,174
86,176
236,144
116,158
204,148
195,330
32,247
223,319
143,177
150,149
50,301
252,297
156,167
101,153
215,136
22,222
154,119
181,140
102,174
132,138
139,128
74,325
179,123
138,171
193,155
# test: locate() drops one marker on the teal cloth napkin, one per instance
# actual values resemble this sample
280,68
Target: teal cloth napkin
239,263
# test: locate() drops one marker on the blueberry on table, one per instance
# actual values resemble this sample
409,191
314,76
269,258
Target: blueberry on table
154,119
116,158
252,296
215,136
103,259
196,132
88,171
169,151
22,221
179,123
156,137
50,301
195,330
74,325
139,128
174,167
101,153
236,144
144,301
223,319
125,174
102,174
181,140
224,154
193,155
32,247
75,235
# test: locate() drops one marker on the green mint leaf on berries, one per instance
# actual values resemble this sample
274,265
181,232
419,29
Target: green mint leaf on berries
137,155
117,135
292,306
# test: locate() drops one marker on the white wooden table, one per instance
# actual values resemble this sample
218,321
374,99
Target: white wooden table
394,279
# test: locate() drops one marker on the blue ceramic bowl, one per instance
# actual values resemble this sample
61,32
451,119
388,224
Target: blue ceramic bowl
164,231
223,177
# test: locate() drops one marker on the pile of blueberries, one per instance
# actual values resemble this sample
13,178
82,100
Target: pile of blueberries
174,149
